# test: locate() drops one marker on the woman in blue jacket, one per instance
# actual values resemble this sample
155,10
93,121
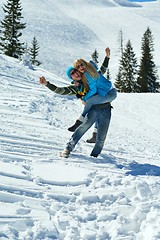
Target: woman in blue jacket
100,89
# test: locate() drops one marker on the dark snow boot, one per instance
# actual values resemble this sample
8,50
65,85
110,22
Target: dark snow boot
75,126
93,155
93,138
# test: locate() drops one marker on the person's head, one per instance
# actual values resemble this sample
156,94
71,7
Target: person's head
80,64
73,73
84,66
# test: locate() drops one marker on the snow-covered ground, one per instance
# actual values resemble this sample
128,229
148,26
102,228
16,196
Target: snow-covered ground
43,196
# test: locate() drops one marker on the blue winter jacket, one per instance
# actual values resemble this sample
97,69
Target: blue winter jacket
100,86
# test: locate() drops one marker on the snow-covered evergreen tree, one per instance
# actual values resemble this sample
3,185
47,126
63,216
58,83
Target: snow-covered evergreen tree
127,74
34,50
120,40
95,57
119,83
26,59
147,74
11,29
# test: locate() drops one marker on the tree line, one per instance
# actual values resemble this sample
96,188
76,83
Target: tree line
11,30
132,77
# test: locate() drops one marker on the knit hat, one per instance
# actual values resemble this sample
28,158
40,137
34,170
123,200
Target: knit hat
69,69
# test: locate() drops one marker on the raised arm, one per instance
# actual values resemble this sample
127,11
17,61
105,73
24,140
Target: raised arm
68,90
105,63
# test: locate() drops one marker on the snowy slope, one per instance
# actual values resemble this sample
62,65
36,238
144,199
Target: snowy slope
114,197
43,196
70,29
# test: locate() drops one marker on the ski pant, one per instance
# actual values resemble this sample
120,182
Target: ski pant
100,115
97,99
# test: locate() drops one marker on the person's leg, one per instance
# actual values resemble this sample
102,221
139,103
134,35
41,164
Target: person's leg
91,118
80,120
75,126
111,95
104,117
97,99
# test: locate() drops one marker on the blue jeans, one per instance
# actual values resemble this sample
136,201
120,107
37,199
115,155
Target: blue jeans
97,99
100,115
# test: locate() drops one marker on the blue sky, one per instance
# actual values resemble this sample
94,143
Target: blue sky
142,0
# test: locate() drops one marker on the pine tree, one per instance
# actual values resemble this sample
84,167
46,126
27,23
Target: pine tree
95,57
147,74
34,52
26,59
11,29
126,77
119,84
120,40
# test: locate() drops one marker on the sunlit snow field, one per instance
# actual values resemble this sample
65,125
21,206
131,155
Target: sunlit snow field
43,196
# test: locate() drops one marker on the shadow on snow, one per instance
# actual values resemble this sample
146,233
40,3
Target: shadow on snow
143,169
133,168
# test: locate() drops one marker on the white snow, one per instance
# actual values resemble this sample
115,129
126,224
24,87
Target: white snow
43,196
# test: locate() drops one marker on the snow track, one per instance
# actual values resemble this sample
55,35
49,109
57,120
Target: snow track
43,196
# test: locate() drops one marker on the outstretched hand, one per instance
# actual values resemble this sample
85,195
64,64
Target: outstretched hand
107,50
42,80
